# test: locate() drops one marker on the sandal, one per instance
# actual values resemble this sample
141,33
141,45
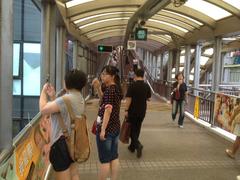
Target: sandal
229,153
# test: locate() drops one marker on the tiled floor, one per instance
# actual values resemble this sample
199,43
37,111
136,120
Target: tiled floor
169,153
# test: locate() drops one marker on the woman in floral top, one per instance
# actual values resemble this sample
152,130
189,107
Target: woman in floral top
108,123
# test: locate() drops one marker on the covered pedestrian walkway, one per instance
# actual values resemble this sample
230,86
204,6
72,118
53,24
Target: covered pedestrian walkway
169,153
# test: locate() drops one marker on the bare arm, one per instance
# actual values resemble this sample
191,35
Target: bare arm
45,106
106,118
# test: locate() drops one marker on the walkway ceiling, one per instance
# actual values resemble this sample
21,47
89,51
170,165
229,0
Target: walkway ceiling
95,21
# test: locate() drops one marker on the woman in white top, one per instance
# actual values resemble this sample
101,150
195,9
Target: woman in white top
59,156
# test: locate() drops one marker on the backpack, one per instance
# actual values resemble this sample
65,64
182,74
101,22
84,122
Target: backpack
78,139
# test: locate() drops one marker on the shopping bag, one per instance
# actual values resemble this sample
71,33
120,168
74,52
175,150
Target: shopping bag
125,131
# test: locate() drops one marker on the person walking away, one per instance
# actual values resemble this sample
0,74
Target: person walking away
108,123
131,75
179,98
136,104
59,156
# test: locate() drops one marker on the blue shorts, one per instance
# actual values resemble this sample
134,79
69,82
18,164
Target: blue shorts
107,149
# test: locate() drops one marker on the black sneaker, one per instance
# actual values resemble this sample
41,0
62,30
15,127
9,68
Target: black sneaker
139,151
131,149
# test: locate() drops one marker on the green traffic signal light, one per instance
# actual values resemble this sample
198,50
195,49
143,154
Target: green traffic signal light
102,48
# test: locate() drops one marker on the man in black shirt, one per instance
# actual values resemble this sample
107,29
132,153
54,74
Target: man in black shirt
136,103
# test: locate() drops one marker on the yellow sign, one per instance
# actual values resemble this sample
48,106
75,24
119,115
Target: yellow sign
196,107
27,155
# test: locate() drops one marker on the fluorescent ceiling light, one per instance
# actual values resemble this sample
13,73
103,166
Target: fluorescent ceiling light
234,3
229,39
160,37
203,60
104,20
100,15
91,35
186,17
169,24
182,59
168,36
208,9
76,2
208,51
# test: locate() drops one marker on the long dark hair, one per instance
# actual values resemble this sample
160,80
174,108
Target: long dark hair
113,71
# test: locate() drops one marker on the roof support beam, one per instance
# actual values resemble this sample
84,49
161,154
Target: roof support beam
147,10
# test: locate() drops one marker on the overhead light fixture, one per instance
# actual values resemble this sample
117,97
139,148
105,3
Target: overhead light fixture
76,2
229,39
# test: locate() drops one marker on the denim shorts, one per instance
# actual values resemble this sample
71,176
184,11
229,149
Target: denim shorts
108,148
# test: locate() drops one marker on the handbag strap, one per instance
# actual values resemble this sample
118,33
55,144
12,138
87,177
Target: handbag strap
69,108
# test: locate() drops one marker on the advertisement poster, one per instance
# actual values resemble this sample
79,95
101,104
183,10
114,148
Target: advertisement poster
227,112
196,107
30,157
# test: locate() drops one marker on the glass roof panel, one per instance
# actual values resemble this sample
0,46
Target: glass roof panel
104,32
203,60
104,20
76,2
234,3
169,24
100,15
208,9
199,23
159,37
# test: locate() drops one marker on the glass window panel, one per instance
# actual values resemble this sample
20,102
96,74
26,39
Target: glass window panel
208,52
173,69
182,59
208,9
173,76
203,60
181,69
192,71
191,77
16,57
32,22
16,87
234,3
17,20
31,69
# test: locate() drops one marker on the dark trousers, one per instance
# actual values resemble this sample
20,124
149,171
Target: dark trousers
136,124
175,106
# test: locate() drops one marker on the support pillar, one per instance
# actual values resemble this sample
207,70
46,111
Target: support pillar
170,59
6,73
61,58
217,60
187,63
197,67
48,45
161,67
75,54
178,53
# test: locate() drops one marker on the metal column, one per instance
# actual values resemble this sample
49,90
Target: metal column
217,60
187,63
75,54
178,54
61,58
6,73
197,67
170,59
161,67
48,42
